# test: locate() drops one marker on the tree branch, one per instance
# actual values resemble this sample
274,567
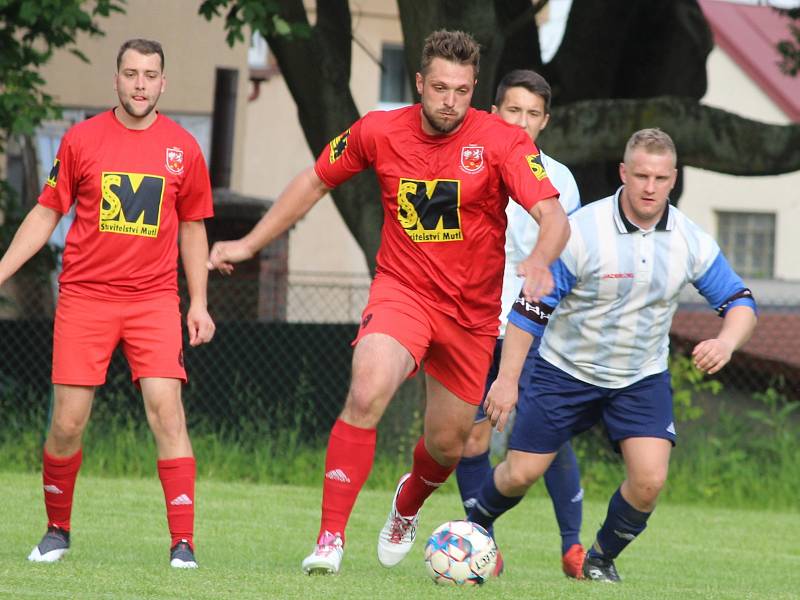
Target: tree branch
706,137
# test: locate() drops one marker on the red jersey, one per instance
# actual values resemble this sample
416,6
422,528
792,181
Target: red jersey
131,188
444,200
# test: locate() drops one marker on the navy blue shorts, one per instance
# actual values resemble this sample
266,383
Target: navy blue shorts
554,407
480,416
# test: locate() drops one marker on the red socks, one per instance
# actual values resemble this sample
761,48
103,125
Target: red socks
426,476
58,478
348,462
177,477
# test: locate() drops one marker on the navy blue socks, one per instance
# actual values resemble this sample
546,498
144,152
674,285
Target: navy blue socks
491,504
623,523
564,486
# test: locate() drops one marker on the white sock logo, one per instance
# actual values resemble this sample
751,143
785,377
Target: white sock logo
432,484
337,475
181,500
52,489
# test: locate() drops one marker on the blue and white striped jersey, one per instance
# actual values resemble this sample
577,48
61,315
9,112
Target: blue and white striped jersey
523,231
617,288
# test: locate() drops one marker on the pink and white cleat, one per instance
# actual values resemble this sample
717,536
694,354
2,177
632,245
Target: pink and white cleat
398,534
327,555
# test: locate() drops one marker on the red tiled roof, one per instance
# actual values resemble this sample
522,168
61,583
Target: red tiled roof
776,338
749,35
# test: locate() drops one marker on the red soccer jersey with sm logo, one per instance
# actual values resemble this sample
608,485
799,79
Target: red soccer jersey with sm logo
444,200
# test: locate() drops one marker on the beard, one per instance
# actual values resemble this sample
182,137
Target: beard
439,124
140,113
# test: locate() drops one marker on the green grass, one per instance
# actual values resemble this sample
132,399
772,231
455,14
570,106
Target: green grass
252,537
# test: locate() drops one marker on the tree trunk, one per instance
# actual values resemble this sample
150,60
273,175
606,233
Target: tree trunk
317,72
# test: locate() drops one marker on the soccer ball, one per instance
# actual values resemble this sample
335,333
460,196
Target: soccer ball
460,553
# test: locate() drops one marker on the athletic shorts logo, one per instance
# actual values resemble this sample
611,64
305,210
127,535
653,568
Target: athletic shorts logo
429,210
472,158
174,162
131,203
537,168
338,146
366,320
182,500
52,179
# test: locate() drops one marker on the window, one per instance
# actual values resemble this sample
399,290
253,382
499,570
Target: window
748,242
395,85
258,52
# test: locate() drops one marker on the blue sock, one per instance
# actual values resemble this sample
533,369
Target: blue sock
563,483
623,523
471,472
491,504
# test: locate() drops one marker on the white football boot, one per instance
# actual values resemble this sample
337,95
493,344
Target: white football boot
53,546
327,555
398,534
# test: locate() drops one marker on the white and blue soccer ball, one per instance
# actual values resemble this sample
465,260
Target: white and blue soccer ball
460,553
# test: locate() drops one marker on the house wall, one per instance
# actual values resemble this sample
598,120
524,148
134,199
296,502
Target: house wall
706,192
276,149
193,48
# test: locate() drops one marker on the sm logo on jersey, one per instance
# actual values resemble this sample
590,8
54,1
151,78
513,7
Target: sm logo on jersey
429,210
537,168
131,203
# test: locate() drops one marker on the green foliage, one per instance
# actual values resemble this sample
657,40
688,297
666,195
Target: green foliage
774,418
31,31
790,49
687,382
263,16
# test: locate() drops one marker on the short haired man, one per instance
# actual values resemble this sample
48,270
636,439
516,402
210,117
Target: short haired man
445,172
138,182
523,99
604,352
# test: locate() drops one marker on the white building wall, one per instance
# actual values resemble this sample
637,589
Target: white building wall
706,192
320,242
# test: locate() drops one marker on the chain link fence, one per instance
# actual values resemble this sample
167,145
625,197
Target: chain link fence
265,374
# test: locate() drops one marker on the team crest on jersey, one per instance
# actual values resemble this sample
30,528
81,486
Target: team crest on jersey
175,160
535,163
429,211
52,179
338,146
472,158
131,203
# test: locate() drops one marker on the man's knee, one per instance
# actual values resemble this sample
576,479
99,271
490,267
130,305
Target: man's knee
445,446
167,419
67,429
479,439
520,471
646,487
521,475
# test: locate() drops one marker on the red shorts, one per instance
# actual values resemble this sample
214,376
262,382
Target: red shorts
87,330
456,356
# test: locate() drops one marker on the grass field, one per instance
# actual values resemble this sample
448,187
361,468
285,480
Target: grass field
251,539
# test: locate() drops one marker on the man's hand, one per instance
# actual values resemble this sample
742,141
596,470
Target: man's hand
200,325
711,355
538,279
500,401
224,254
